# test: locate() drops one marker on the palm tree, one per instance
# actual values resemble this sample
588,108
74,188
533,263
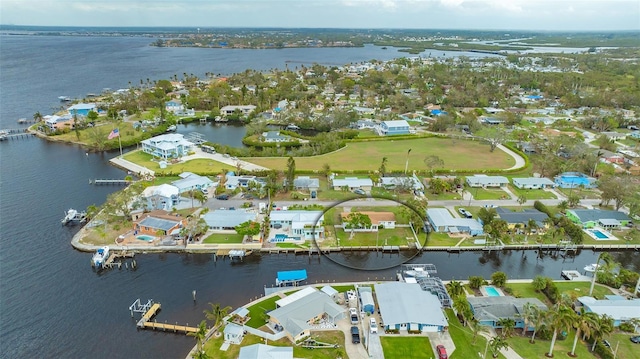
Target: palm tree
497,343
539,283
522,199
200,334
584,323
37,116
476,328
455,288
507,325
562,318
462,307
216,313
533,317
603,327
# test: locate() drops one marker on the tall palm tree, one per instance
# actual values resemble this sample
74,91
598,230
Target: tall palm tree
200,334
508,325
216,313
462,307
560,319
476,328
533,317
497,343
583,324
455,288
602,328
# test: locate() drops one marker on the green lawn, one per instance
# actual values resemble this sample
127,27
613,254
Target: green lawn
577,289
368,156
525,349
384,237
446,196
257,312
291,245
532,194
626,349
463,339
224,238
437,239
201,166
488,194
582,193
406,347
386,193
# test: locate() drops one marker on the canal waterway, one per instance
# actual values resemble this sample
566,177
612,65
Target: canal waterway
52,305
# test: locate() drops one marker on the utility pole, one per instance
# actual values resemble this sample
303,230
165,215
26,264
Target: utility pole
595,274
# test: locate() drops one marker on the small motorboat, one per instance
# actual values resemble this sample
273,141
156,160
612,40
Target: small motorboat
73,217
591,267
100,257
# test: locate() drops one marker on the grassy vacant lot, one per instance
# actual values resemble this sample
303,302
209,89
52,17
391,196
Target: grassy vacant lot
577,289
441,239
488,193
258,310
522,346
212,347
101,131
582,193
384,237
463,339
224,238
406,347
532,194
200,165
368,156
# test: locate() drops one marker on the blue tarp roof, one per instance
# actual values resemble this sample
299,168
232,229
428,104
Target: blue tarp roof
292,275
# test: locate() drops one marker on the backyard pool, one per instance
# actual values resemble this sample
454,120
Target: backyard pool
280,237
492,291
600,234
146,238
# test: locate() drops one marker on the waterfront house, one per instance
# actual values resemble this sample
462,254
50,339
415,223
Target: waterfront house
190,181
82,109
307,184
55,122
296,318
589,218
378,220
159,223
164,197
614,136
490,310
405,306
244,109
352,183
365,296
173,106
275,137
574,180
442,221
225,219
616,307
492,121
233,333
263,351
485,181
533,183
521,219
299,224
167,146
397,127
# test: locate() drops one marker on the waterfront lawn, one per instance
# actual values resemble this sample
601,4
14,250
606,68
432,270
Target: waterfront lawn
438,239
626,348
574,289
406,347
221,238
257,312
463,339
291,245
384,237
103,235
368,156
199,165
532,194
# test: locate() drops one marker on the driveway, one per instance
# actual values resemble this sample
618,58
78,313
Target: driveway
226,159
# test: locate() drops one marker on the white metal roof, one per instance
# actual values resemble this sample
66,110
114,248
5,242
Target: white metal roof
402,303
295,296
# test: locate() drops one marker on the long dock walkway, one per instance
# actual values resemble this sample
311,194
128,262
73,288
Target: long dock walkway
146,322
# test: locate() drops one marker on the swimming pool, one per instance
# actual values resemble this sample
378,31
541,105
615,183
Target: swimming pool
598,234
492,291
145,237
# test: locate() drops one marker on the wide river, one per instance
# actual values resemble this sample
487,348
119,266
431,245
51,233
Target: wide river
52,305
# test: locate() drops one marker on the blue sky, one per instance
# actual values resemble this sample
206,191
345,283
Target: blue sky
573,15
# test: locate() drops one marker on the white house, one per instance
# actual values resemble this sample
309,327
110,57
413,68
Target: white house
487,181
617,307
533,183
274,137
352,183
405,306
233,333
225,219
408,182
378,220
244,109
263,351
164,196
244,181
299,224
189,181
167,146
397,127
441,220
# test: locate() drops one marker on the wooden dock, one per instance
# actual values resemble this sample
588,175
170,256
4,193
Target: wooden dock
146,322
114,256
109,181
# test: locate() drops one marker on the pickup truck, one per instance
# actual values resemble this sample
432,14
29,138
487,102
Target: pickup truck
355,335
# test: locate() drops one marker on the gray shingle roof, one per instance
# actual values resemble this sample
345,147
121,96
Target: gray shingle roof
496,308
158,223
294,316
521,217
222,218
587,215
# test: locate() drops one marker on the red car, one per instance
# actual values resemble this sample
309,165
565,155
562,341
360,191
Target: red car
442,352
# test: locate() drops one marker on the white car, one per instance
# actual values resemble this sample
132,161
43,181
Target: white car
373,326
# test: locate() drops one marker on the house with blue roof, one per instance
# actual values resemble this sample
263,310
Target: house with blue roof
574,180
397,127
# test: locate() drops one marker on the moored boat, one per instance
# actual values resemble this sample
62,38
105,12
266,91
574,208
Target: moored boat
74,217
64,98
100,257
591,267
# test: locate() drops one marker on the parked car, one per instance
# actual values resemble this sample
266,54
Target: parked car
353,313
373,326
359,191
223,197
635,339
355,335
442,352
465,213
490,206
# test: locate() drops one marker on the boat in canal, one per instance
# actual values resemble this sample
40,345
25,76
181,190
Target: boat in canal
100,257
73,217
